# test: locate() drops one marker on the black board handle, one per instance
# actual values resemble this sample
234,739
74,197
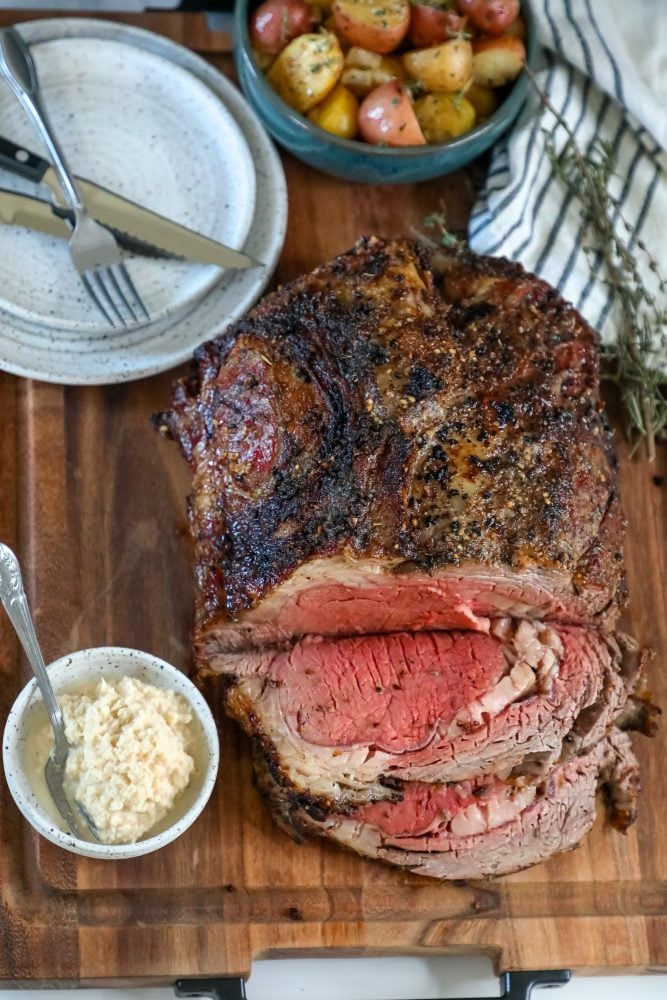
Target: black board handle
515,985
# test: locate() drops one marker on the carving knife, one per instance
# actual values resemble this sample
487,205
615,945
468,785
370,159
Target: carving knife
125,216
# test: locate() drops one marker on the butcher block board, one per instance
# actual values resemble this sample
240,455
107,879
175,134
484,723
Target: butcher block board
94,503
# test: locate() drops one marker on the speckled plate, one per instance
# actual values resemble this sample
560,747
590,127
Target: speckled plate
232,163
136,123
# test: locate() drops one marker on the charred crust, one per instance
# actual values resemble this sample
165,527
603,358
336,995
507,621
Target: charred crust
619,781
432,408
621,810
641,715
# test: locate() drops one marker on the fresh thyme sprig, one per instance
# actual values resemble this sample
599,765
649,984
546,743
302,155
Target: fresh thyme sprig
438,221
640,348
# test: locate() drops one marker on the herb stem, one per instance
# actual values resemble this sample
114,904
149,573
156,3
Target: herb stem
641,337
647,414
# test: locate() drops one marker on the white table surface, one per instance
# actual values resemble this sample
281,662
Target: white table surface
434,978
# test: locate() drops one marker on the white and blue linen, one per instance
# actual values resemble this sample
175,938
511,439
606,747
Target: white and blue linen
604,67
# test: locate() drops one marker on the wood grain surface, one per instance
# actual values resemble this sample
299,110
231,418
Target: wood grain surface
94,503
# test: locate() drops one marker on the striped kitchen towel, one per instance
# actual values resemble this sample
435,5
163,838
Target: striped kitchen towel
604,68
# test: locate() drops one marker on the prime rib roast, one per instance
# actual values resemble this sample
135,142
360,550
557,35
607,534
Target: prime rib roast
408,548
341,718
479,828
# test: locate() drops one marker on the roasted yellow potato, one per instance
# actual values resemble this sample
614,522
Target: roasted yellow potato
364,71
483,99
359,81
444,116
307,70
378,25
442,68
337,113
497,61
362,59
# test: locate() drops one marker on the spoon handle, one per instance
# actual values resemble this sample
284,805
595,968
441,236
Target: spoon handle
14,600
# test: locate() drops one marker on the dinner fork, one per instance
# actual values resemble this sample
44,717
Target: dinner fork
95,253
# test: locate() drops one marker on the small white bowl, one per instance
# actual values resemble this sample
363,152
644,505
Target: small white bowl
71,673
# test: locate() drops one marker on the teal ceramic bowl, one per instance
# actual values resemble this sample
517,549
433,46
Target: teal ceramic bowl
359,161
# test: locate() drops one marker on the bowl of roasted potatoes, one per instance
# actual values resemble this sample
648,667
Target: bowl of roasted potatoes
385,91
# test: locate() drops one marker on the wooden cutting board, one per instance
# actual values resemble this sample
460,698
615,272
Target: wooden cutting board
94,503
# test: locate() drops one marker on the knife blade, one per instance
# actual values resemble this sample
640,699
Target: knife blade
18,209
122,215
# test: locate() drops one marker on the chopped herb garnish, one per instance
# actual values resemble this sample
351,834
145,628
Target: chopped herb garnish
316,67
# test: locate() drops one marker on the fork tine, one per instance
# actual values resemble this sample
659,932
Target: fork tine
95,274
88,285
137,298
110,274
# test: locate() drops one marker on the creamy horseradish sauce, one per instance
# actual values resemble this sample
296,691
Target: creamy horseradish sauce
134,751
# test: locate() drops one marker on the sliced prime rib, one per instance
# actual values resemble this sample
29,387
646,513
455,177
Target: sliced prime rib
340,721
480,828
400,440
408,547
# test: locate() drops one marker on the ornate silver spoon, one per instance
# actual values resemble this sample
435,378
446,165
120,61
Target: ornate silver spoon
14,600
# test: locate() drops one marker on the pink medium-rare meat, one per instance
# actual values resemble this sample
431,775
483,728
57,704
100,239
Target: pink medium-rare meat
342,598
342,720
480,828
399,440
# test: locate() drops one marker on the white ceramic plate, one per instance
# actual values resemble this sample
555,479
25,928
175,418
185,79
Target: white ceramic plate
145,128
66,353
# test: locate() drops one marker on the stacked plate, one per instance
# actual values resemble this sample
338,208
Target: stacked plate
155,123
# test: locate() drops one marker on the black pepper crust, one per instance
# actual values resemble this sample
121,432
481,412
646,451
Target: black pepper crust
434,408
